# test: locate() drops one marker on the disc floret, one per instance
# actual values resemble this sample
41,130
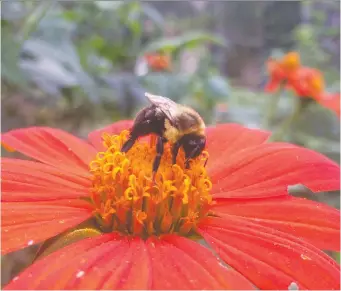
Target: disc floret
125,198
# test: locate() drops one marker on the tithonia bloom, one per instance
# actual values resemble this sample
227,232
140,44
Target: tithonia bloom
158,62
229,225
281,71
307,82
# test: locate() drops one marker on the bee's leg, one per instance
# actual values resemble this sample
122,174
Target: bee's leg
159,152
191,155
175,150
205,162
128,144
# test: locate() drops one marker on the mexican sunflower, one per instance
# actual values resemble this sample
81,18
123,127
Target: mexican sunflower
281,71
158,62
307,82
229,225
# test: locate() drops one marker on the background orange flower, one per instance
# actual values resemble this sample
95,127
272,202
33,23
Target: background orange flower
158,62
281,71
307,82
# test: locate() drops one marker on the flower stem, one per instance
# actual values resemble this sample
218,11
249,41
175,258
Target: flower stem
286,125
272,108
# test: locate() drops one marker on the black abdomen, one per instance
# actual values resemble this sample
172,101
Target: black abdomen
149,120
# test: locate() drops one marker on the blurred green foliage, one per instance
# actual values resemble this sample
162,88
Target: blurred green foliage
77,54
86,52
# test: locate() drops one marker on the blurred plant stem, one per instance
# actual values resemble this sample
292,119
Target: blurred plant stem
32,21
283,128
272,109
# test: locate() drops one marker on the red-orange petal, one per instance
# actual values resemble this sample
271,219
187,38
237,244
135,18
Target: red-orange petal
32,181
195,261
34,277
95,137
39,201
113,262
52,146
268,258
25,224
224,140
268,169
317,223
273,85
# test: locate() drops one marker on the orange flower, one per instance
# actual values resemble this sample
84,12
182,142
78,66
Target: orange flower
330,101
158,62
307,82
238,205
281,71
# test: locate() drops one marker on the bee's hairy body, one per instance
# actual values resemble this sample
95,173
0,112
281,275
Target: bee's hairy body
174,132
171,122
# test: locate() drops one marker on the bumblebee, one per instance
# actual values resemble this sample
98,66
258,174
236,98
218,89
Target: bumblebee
171,122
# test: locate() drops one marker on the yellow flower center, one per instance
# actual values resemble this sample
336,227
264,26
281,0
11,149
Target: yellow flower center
127,200
291,61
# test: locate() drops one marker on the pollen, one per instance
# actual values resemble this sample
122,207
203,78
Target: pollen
127,200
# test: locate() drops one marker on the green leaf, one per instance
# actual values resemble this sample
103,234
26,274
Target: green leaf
188,40
97,42
10,70
32,21
305,33
71,15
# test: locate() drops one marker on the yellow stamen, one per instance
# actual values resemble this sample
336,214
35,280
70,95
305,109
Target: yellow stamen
127,200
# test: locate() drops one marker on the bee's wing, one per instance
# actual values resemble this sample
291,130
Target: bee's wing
166,105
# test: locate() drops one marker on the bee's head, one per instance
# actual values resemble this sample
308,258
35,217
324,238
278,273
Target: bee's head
193,145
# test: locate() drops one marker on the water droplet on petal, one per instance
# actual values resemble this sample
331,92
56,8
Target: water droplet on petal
80,274
293,286
30,242
61,221
16,278
304,257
